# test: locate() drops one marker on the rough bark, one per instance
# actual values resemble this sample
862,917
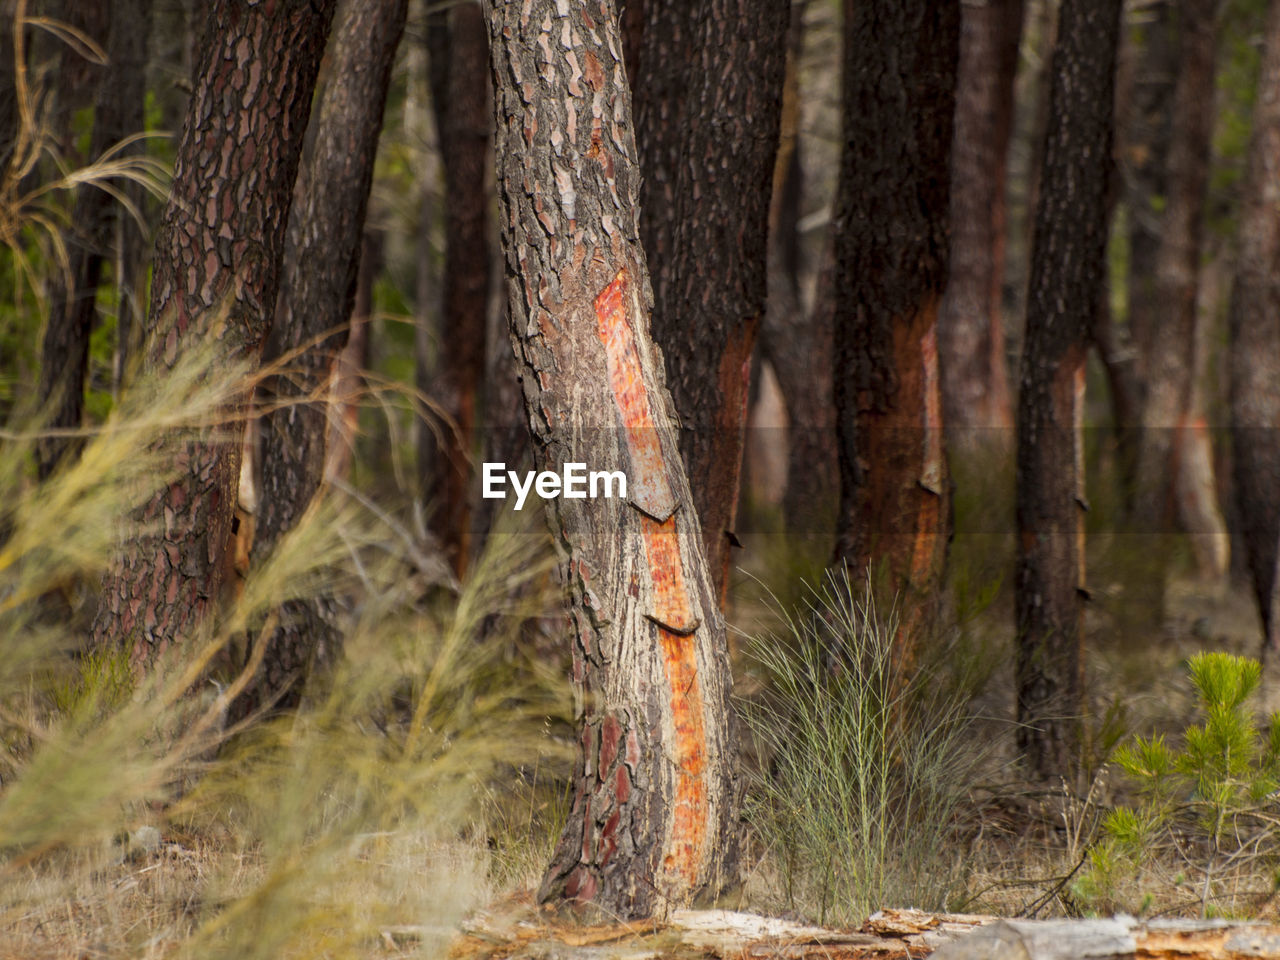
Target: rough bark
1067,263
654,821
458,51
1254,321
708,104
95,220
1170,360
313,311
216,276
976,404
891,245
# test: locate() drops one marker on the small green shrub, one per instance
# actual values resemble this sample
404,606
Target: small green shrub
862,768
1207,810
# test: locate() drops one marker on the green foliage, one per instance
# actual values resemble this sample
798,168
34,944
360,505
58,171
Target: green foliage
1212,803
863,767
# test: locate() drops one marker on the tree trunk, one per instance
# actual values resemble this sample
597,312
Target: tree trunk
217,261
792,337
313,312
708,97
892,206
976,405
1067,263
1254,321
654,822
117,113
1170,355
9,113
1144,153
458,49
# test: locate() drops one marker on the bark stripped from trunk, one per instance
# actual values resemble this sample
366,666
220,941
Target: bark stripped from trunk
216,275
975,389
891,266
1067,264
317,290
1170,355
117,114
1255,343
656,796
708,96
458,48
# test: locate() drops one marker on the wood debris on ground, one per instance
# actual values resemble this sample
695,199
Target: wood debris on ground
887,935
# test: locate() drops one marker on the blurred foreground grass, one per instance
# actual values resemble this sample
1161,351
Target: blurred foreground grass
362,817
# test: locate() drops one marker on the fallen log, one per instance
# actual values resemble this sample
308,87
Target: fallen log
887,935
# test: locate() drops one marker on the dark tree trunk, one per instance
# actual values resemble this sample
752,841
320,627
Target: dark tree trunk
117,114
217,260
654,822
708,95
1067,263
317,290
1144,155
1254,320
458,49
976,404
9,113
1170,353
891,242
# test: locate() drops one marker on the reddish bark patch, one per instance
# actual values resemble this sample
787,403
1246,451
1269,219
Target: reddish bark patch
672,612
647,482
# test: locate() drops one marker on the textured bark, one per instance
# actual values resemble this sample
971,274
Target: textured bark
96,218
460,96
317,291
1067,267
976,404
216,276
1170,360
654,821
708,103
1254,321
891,266
792,337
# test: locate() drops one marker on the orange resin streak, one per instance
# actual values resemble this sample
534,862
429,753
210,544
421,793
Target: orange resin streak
672,612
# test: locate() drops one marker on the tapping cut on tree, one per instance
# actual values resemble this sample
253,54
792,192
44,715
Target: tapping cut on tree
1067,263
654,819
891,267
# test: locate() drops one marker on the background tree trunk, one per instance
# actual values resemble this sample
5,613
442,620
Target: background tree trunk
892,207
791,336
312,322
654,821
1255,344
1067,263
1170,358
72,302
458,49
708,98
976,404
217,256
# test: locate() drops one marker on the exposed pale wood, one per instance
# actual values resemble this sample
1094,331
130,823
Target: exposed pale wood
887,935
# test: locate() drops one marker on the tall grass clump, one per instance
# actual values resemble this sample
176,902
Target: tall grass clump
133,822
862,767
